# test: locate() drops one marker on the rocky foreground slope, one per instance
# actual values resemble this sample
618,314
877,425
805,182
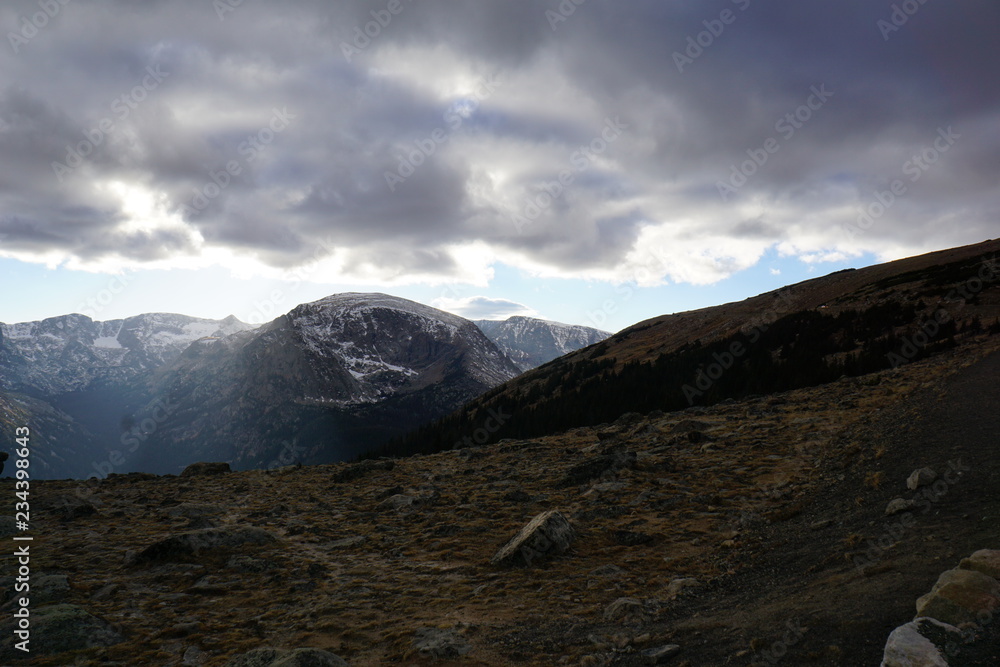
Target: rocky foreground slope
751,532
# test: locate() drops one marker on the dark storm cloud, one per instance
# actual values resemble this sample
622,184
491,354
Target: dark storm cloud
146,131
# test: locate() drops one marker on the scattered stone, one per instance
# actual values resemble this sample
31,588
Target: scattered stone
362,469
899,505
919,478
58,628
661,654
679,587
397,502
624,609
986,561
820,525
920,643
548,534
439,644
609,570
204,468
300,657
66,507
185,546
195,510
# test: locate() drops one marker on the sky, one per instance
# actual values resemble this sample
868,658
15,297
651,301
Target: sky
587,161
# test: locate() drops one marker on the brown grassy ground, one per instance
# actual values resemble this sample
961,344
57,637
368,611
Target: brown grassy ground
765,510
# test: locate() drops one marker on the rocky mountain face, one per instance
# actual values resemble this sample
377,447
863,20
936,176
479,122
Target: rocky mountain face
74,381
531,342
329,380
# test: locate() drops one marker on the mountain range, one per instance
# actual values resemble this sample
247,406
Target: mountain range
327,381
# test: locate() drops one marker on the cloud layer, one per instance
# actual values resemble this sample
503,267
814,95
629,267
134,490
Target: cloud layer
404,142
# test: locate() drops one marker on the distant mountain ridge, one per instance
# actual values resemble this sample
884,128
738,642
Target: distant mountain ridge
531,342
154,392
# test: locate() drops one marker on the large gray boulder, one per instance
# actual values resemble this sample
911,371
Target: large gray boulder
548,534
920,643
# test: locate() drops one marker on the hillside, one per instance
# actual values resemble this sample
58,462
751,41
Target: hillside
719,530
848,323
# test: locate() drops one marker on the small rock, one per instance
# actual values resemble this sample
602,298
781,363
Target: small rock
439,644
899,505
919,478
204,468
517,496
624,609
679,587
820,525
397,502
300,657
362,469
548,534
661,654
